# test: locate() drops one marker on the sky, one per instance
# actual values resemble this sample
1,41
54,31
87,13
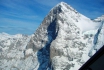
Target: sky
25,16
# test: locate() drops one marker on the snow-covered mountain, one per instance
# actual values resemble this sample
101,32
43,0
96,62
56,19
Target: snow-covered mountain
12,51
65,40
100,19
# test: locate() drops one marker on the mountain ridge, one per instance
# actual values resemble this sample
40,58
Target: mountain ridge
61,42
60,32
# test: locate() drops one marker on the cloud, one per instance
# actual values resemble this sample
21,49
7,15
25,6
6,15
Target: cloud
90,8
18,8
15,5
19,13
49,3
19,16
17,22
16,30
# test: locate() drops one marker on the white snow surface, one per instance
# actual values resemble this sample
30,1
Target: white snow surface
99,19
78,19
12,56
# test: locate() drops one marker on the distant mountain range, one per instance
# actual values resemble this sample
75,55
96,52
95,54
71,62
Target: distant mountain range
65,40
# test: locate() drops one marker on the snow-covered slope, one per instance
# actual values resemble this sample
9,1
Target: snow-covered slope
78,19
12,51
65,40
99,19
98,40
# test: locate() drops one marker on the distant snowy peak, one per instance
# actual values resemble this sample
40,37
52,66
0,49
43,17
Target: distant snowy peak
99,19
4,36
3,33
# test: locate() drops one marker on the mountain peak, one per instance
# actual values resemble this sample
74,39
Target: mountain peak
100,18
62,3
63,7
58,43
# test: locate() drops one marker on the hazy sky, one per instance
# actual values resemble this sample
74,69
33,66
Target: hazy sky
24,16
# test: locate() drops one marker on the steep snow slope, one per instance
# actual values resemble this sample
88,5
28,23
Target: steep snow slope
99,36
65,40
81,21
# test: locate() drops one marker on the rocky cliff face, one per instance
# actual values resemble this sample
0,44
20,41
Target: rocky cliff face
12,51
65,40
